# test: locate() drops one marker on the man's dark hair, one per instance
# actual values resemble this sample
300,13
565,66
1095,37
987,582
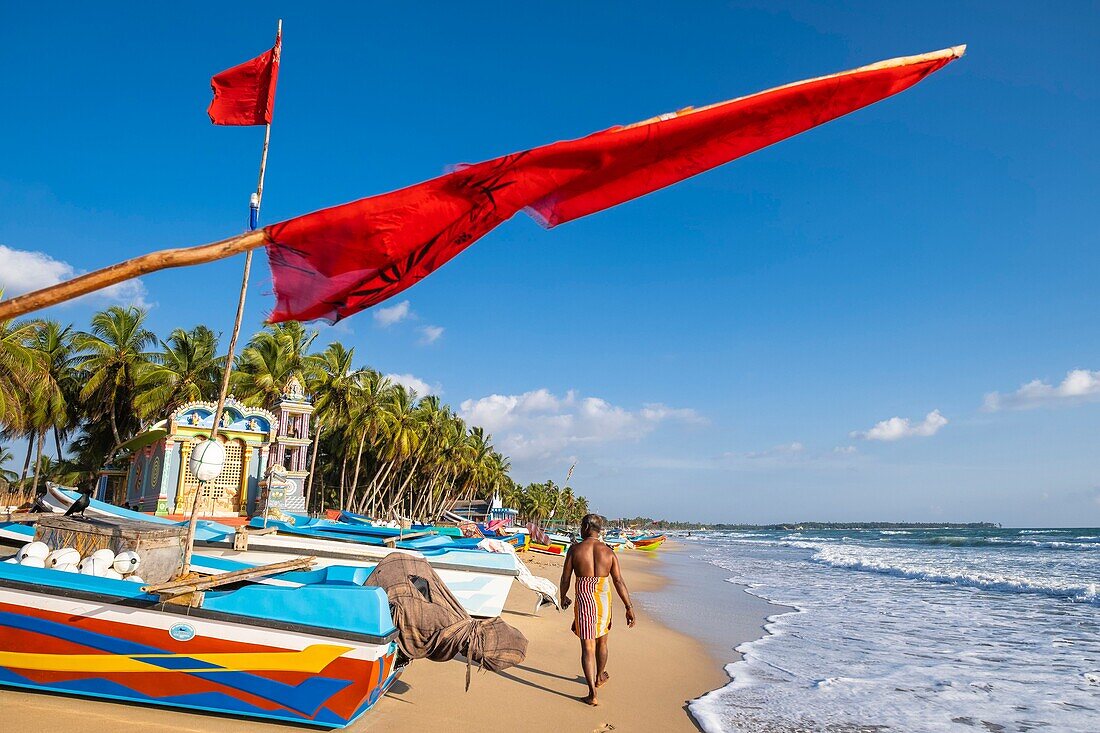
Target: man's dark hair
592,523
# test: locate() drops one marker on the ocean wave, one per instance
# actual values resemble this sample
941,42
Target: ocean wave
1045,544
848,559
894,531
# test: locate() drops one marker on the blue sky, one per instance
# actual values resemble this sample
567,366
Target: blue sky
720,350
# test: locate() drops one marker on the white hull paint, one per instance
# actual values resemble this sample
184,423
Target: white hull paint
481,594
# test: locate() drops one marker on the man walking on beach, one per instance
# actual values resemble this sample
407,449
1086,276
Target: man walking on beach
593,562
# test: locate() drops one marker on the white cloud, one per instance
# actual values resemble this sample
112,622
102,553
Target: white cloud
430,334
787,449
897,428
23,271
416,384
386,317
845,450
540,424
1078,386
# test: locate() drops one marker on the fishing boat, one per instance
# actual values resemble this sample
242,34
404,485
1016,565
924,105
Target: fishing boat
418,537
317,649
479,580
557,550
648,543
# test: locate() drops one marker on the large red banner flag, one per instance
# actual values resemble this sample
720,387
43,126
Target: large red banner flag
245,94
338,261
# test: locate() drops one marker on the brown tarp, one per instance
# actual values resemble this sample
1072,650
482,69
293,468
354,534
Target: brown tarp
432,624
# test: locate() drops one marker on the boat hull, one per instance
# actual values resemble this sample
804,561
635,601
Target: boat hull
481,594
480,580
115,651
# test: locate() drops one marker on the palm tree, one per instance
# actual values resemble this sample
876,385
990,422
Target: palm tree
402,435
187,369
335,386
115,361
272,357
18,362
6,476
53,386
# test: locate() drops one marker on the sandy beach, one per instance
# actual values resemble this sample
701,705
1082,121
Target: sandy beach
655,668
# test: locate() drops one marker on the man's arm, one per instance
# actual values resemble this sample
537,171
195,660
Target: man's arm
566,576
620,588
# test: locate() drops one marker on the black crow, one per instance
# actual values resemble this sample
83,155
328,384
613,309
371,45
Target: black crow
80,504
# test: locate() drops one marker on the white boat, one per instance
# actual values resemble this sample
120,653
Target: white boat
480,580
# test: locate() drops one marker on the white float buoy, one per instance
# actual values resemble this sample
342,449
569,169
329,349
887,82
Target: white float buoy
107,554
134,578
112,574
126,562
33,562
93,566
62,556
34,549
66,567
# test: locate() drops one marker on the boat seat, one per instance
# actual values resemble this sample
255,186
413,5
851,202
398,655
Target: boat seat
347,574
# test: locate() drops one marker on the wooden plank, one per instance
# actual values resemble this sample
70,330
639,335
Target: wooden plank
392,541
240,537
24,517
192,585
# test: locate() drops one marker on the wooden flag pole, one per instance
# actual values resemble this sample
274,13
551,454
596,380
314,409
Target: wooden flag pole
189,540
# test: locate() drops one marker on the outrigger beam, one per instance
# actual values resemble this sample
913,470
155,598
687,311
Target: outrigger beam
136,267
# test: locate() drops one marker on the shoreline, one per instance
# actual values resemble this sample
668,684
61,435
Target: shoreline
689,621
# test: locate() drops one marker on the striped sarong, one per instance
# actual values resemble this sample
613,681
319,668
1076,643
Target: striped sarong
592,608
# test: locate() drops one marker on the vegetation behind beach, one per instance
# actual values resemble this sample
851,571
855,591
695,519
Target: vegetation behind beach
383,449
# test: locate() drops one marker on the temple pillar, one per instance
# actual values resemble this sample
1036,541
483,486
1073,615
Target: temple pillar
162,486
246,465
185,456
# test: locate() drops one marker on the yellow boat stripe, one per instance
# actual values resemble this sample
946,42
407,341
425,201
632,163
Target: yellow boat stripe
312,659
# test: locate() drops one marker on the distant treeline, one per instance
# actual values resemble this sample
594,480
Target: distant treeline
648,523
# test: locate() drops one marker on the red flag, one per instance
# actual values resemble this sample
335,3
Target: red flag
336,262
245,94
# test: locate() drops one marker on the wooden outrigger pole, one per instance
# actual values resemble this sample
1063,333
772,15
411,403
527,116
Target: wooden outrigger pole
136,267
254,216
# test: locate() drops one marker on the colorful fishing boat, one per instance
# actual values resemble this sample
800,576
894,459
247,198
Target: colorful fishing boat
416,537
546,549
648,543
318,652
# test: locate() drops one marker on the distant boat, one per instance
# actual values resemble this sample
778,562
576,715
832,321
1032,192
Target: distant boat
648,543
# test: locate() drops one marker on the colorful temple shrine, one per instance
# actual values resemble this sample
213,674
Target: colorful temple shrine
266,453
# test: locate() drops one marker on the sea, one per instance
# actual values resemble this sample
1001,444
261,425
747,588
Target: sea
912,630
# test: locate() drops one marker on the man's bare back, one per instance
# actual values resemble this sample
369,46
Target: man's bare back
591,558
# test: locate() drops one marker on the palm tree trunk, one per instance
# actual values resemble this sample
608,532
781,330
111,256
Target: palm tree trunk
426,496
38,461
412,471
355,474
57,441
370,493
27,460
343,473
114,429
313,464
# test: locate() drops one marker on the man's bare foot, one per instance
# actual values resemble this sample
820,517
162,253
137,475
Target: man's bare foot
590,700
602,679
